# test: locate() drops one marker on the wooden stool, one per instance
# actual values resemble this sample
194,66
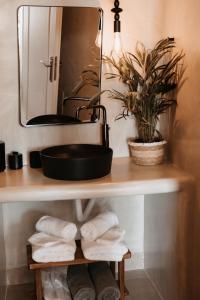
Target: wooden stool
79,259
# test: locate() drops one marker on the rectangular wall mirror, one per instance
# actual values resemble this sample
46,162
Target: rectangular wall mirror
59,63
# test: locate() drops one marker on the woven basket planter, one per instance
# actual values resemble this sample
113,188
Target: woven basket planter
147,154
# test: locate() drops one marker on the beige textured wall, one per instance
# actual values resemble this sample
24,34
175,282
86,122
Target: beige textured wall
168,244
174,267
182,21
141,20
160,232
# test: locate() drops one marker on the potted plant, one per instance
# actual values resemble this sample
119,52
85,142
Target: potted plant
151,77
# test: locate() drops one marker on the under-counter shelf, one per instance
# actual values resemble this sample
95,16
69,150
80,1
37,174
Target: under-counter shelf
125,178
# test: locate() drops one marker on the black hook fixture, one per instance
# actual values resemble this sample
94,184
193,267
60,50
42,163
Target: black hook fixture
117,10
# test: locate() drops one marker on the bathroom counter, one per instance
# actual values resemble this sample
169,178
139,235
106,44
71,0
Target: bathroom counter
126,178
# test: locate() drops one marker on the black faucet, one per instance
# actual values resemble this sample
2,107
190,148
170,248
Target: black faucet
104,127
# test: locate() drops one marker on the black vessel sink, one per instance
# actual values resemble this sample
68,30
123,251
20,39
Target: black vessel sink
76,161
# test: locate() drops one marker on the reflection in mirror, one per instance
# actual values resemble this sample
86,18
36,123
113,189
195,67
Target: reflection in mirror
59,63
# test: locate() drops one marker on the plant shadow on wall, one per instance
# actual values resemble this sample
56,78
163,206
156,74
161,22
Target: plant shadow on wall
152,79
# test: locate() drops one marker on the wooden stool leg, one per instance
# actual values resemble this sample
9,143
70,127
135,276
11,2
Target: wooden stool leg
121,279
112,267
38,284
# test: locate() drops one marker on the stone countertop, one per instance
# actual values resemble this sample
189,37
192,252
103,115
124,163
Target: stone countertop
125,178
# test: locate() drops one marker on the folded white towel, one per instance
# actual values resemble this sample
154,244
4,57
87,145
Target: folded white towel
99,225
45,240
112,236
57,227
57,252
95,251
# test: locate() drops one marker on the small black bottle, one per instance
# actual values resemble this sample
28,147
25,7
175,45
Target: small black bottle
15,160
2,156
35,161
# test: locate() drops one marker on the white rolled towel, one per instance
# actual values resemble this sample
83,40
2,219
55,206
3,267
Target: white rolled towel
57,227
58,252
112,236
99,225
45,240
95,251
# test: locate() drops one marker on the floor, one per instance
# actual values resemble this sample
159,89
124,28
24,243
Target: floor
139,287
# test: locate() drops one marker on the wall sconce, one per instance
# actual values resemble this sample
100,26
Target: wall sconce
117,46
